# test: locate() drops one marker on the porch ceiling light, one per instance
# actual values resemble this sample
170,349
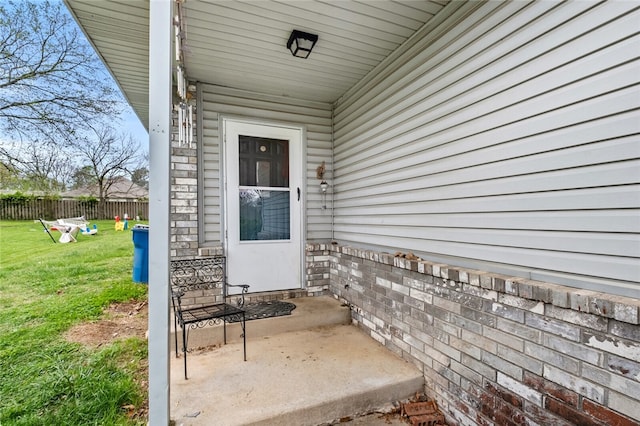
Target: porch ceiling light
300,43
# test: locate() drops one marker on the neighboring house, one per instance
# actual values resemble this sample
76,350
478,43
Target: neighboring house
121,189
496,141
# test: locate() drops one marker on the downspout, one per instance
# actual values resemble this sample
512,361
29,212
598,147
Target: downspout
333,169
199,140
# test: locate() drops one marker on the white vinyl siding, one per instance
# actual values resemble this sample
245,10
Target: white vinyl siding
314,116
503,136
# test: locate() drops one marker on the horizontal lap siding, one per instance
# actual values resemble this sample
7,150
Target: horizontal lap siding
315,117
504,137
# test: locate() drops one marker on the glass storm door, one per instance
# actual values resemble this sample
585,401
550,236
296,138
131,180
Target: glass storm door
263,206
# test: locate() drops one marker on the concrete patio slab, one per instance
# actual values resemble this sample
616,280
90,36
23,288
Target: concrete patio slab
309,312
302,377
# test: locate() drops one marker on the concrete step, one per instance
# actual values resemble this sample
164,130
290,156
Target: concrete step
309,312
303,377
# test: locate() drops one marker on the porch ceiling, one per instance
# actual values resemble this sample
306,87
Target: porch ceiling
242,44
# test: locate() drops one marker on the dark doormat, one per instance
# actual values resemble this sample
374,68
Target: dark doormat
267,309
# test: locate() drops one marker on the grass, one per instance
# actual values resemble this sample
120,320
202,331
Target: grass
46,288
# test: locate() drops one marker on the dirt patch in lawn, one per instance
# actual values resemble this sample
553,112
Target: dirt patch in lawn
119,321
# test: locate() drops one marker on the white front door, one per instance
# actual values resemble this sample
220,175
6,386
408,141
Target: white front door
263,205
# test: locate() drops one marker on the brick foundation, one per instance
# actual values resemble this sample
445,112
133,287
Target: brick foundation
494,350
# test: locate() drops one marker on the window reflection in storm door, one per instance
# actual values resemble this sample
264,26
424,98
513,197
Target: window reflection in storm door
263,206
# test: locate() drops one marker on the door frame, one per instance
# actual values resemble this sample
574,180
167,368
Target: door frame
297,162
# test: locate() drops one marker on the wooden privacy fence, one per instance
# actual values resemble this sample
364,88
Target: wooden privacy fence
56,209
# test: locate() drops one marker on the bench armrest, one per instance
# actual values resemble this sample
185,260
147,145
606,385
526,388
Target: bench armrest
245,290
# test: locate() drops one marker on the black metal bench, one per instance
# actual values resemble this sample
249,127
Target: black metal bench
199,297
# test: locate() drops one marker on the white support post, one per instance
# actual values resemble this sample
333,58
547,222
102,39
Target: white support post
160,54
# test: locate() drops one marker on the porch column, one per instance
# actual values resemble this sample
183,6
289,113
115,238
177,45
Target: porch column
160,33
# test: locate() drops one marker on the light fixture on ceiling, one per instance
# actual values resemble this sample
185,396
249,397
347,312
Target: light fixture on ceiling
300,43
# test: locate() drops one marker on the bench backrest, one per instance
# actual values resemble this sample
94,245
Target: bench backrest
198,281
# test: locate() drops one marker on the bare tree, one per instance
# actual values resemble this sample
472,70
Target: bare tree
51,85
50,78
109,156
37,166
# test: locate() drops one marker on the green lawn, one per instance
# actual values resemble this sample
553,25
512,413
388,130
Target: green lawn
46,288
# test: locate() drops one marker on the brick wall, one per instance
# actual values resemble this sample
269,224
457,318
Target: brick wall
495,350
317,269
184,202
184,194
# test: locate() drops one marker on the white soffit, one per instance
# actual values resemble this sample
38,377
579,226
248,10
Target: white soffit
242,44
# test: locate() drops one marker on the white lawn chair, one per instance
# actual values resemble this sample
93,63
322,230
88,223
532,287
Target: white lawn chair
68,228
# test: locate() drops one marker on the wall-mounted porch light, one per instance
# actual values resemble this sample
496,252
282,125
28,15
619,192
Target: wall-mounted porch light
323,187
300,43
323,183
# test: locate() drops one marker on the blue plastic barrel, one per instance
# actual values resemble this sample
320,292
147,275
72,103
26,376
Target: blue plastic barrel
140,253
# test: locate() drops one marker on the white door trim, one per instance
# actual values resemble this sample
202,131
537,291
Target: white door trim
299,162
